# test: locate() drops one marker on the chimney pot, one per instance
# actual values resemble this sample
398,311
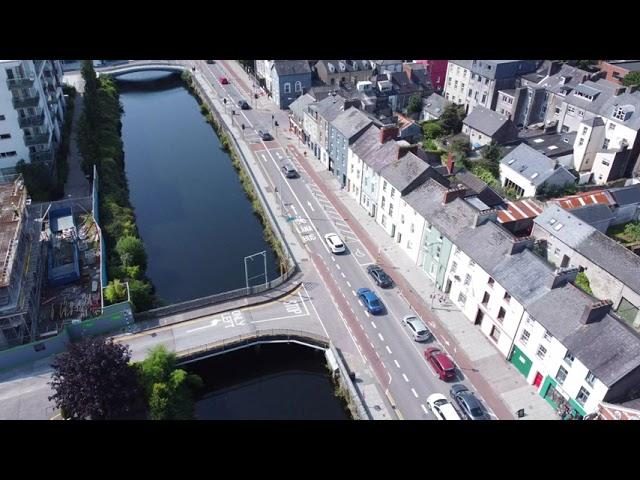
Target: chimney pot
451,163
596,311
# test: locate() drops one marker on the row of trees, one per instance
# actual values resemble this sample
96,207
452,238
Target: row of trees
100,143
95,380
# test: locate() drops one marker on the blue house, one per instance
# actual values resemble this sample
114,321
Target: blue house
289,80
345,129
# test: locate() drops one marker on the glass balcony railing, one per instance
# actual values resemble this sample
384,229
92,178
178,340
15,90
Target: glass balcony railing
20,82
36,120
37,139
31,100
43,156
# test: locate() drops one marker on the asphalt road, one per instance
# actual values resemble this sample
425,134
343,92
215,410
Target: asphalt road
382,340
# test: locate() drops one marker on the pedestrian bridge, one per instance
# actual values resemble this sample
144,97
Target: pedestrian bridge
144,66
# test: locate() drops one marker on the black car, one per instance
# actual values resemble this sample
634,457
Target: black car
243,105
470,406
379,275
264,135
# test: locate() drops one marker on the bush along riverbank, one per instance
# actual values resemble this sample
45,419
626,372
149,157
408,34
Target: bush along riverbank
100,143
258,209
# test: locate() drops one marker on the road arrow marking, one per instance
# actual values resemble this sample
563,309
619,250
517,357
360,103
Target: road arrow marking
310,206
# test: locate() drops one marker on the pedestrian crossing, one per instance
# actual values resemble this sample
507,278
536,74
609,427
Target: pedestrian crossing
342,228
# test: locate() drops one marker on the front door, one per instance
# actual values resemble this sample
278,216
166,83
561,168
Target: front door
538,380
479,317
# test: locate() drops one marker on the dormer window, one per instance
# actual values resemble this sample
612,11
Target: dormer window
621,112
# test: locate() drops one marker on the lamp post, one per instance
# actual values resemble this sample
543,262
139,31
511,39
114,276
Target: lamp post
246,274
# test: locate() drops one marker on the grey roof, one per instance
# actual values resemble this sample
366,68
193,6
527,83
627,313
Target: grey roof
607,347
300,104
626,195
593,214
593,122
434,104
629,101
605,91
291,67
403,171
452,219
373,153
535,166
387,62
463,63
347,63
351,122
485,121
329,108
485,193
631,65
592,244
572,77
552,145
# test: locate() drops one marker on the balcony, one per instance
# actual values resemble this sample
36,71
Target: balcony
20,82
29,101
41,157
36,120
37,139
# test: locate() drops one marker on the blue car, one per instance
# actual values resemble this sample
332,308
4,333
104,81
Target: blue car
370,300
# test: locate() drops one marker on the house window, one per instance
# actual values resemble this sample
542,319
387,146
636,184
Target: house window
470,92
382,203
484,98
524,338
402,219
491,282
529,320
547,335
298,86
612,126
455,84
485,299
568,358
462,87
501,314
287,87
571,110
605,145
384,220
495,334
409,244
393,192
412,228
390,210
541,352
582,396
2,117
557,110
472,264
591,378
467,279
454,266
507,297
456,252
581,141
384,186
462,298
561,375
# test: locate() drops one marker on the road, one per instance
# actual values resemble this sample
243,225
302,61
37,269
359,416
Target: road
383,342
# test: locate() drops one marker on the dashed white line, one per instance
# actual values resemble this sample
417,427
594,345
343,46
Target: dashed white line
354,292
424,409
343,275
397,364
372,345
381,337
337,266
405,378
415,394
367,313
388,349
348,284
373,324
360,302
333,258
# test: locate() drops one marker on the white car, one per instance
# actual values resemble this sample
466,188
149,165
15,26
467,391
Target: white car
335,243
418,329
442,408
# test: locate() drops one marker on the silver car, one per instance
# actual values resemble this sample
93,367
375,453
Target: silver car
417,327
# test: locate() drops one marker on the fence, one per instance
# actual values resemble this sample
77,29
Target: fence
354,396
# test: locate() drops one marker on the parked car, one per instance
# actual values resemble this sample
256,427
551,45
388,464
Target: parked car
442,408
371,301
441,363
224,81
470,406
264,135
335,244
418,329
289,171
380,276
211,61
244,105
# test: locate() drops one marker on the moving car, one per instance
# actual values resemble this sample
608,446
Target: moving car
470,406
244,105
371,301
380,276
442,408
289,171
441,363
335,244
418,329
211,61
224,81
264,135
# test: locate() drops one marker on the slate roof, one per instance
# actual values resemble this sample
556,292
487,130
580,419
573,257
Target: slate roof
402,172
485,121
536,167
485,193
434,104
592,244
351,122
373,153
291,67
593,214
329,108
605,91
300,104
348,65
463,63
630,101
626,195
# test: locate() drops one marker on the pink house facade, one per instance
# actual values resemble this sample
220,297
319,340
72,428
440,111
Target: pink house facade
438,69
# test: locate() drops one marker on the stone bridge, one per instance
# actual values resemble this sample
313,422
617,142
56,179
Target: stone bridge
144,65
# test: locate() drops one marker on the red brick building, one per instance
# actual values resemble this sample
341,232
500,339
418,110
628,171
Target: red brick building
617,69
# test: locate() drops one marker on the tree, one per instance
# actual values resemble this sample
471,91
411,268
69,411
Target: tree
432,130
130,249
631,79
583,283
415,104
141,295
451,118
493,151
584,64
116,291
168,389
632,231
94,380
460,146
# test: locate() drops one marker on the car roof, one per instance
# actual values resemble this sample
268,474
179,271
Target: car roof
470,399
444,360
436,396
416,322
448,411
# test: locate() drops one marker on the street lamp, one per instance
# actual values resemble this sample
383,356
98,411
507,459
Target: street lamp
246,275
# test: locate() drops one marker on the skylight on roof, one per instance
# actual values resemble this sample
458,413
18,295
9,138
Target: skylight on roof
511,161
558,226
552,221
538,140
552,147
534,175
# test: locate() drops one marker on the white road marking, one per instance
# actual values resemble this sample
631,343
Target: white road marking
278,155
373,324
360,302
333,258
397,364
405,378
372,345
389,350
367,313
293,207
311,206
381,337
343,275
415,394
424,409
263,157
348,284
337,266
354,292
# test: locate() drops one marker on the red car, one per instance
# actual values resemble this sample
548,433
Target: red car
224,81
441,363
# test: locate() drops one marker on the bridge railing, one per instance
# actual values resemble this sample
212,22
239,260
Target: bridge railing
260,336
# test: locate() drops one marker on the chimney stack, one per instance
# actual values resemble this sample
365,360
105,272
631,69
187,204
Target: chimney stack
452,193
520,244
596,311
451,163
554,67
561,276
388,132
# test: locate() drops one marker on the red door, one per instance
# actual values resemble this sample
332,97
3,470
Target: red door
538,380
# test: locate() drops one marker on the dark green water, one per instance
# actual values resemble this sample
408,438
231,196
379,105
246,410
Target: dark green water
193,216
